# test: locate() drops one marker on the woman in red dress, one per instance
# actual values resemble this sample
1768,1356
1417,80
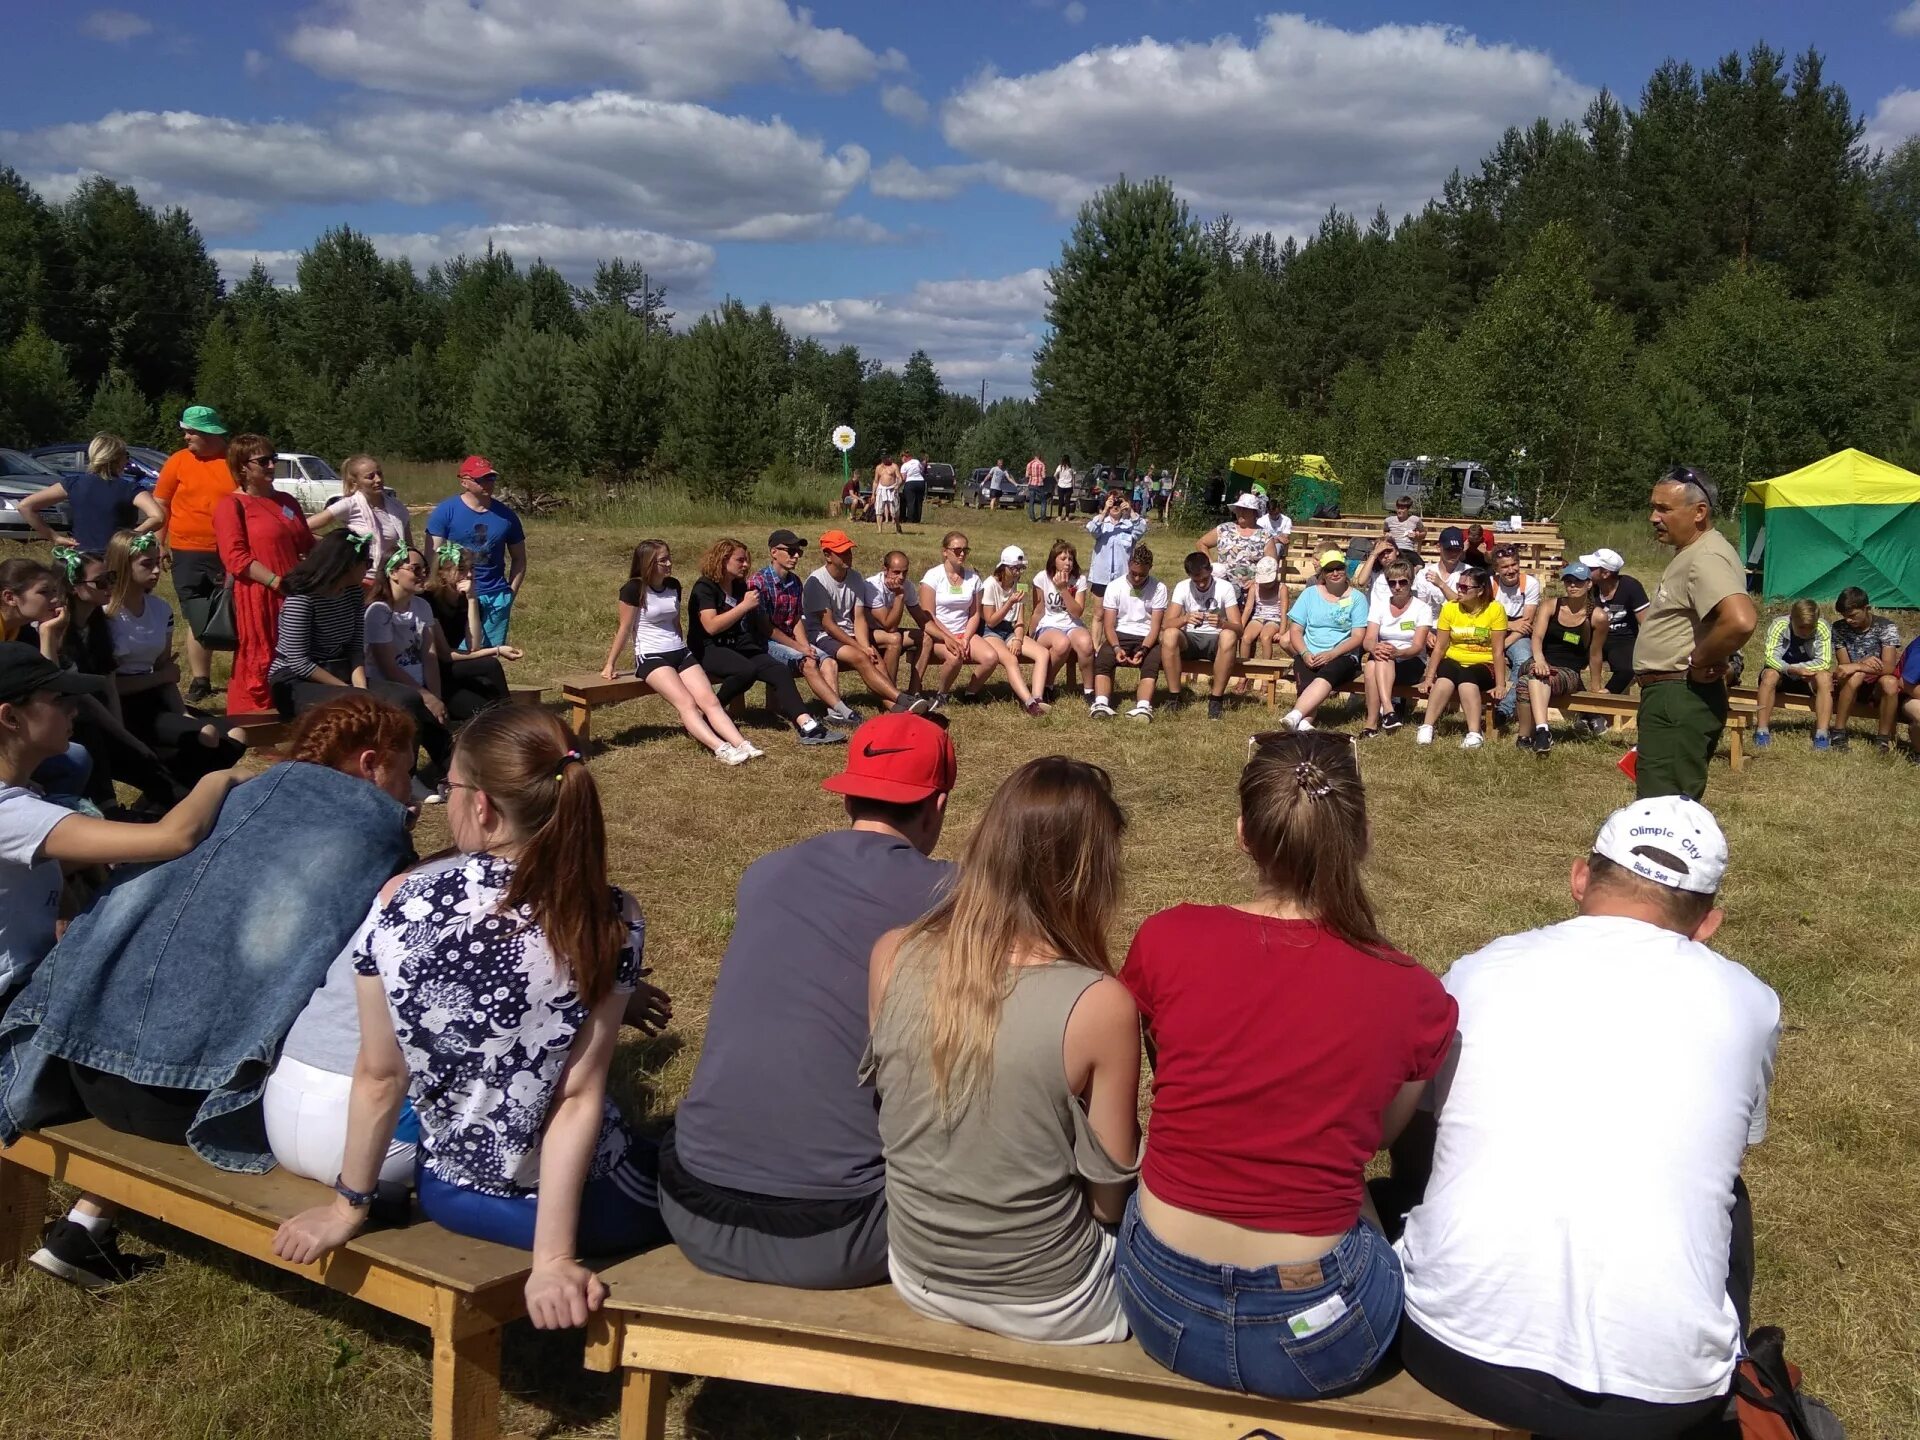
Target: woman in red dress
262,534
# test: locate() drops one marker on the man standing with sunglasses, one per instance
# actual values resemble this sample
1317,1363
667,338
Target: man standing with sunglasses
1700,617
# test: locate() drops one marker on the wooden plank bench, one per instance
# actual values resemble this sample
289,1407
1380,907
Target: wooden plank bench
1623,710
663,1317
462,1290
584,693
262,728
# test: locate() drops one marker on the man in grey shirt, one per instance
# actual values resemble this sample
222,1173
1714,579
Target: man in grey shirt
772,1170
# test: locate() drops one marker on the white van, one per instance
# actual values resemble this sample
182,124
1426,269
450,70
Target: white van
1423,475
308,479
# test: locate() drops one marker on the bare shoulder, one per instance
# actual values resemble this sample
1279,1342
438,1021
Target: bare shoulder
1107,1003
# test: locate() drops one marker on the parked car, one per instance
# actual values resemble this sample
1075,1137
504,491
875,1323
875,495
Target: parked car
1438,484
20,476
975,496
308,479
143,461
939,482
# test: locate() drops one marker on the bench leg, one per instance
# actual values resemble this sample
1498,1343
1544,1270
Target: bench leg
1736,751
466,1373
23,1209
582,721
643,1405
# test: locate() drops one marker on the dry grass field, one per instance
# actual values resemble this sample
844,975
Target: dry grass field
1822,904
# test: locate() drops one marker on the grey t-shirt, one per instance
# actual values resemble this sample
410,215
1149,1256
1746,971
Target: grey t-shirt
30,885
326,1034
776,1106
823,592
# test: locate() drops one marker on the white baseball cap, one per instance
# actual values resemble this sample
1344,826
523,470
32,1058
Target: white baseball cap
1267,571
1248,501
1604,560
1013,555
1670,840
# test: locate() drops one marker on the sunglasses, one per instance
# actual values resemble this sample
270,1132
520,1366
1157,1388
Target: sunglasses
266,460
1399,584
959,550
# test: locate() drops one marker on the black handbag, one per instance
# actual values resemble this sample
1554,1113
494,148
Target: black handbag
211,618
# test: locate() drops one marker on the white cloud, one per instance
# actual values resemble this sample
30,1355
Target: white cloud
972,329
116,27
237,262
1907,21
256,64
1309,116
666,49
903,102
602,159
1895,118
1073,12
901,179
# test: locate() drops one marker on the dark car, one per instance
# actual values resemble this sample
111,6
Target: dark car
939,482
20,476
975,496
143,461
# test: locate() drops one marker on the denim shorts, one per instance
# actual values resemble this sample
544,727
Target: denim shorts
787,655
1240,1329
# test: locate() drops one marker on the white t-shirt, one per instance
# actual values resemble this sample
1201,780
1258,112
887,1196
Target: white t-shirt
1219,597
1399,630
1379,592
911,471
875,595
656,629
952,599
407,630
1514,601
993,593
1054,614
1133,614
1063,477
823,592
1424,576
1276,522
29,885
1607,1080
141,642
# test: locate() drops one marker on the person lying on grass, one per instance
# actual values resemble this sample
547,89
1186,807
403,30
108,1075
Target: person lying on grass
1006,1058
650,614
37,839
491,986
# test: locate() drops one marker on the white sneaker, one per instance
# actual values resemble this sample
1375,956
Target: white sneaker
1292,719
1423,736
1471,740
1305,724
1142,710
731,755
1100,709
754,752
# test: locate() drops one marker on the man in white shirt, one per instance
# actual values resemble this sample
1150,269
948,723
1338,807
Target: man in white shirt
1519,595
1136,612
1202,608
1581,1262
1404,528
913,489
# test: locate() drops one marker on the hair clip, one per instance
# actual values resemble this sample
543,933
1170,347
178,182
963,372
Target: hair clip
447,553
140,544
572,757
1312,780
69,559
360,543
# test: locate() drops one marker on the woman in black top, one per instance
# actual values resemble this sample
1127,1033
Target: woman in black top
1569,642
727,636
471,679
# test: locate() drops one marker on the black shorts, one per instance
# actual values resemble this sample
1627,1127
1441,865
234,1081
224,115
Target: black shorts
1341,670
1108,660
1199,647
1409,669
1099,587
681,659
197,574
1451,669
1794,684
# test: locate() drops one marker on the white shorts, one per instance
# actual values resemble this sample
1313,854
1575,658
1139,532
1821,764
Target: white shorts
306,1115
1088,1314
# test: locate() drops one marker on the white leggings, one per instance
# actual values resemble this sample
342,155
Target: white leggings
306,1114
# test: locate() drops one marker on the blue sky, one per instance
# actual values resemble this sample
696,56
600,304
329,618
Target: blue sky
890,174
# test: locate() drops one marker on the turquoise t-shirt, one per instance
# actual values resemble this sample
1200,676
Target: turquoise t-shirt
1328,622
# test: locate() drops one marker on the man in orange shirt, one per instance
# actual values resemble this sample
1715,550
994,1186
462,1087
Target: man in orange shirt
191,483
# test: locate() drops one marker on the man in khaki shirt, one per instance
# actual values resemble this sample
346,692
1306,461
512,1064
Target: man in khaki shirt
1700,617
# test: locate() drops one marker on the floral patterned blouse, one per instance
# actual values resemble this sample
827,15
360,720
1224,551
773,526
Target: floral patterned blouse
485,1019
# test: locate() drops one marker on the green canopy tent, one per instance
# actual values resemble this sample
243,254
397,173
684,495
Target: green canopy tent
1301,483
1846,520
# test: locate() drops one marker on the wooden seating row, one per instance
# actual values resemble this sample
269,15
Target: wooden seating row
265,728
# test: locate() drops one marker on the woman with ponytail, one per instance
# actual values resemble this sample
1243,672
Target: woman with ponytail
491,985
1291,1042
1007,1060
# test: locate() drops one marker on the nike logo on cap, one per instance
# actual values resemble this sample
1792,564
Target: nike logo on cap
872,754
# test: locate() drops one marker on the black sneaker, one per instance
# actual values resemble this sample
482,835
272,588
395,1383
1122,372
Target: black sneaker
1839,738
71,1252
820,735
1216,709
197,690
1390,722
1542,740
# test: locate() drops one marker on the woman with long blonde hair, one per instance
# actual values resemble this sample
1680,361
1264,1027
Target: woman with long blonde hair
367,507
1007,1060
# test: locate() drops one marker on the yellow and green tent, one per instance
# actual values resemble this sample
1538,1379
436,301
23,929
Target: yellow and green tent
1849,519
1295,484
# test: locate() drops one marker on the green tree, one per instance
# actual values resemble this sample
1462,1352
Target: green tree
621,373
1005,432
339,320
39,402
629,290
726,385
120,409
921,392
523,408
1123,367
31,255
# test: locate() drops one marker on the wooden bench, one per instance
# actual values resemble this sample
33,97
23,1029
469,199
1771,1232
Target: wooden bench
1623,710
663,1317
584,693
258,729
462,1290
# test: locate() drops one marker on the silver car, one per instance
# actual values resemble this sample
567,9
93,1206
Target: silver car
20,476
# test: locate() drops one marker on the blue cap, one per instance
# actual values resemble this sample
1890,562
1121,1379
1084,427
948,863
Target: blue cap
1574,570
1453,535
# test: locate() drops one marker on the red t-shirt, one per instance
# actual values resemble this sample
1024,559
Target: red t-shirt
1277,1047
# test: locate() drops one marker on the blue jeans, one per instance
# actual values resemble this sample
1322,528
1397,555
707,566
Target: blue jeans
1036,502
496,614
619,1211
1519,657
65,776
1239,1329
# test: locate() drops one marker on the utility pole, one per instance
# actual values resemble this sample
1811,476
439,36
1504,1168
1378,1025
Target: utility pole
983,392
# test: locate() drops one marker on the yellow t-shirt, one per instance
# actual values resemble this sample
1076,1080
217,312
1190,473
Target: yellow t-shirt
1471,641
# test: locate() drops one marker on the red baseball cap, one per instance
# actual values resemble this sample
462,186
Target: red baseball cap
836,541
899,759
476,467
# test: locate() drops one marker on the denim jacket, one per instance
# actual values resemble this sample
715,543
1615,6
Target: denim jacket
1113,542
189,974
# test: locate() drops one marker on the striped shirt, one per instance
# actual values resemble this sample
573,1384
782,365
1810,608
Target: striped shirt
318,631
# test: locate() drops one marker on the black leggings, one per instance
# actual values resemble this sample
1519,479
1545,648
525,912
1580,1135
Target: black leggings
114,759
1618,652
175,738
734,672
470,686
